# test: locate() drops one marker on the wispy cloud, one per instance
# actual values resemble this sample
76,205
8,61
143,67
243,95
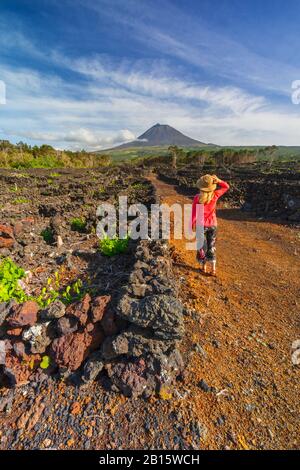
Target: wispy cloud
97,101
176,33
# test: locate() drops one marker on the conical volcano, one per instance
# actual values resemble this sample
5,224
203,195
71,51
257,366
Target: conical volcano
162,135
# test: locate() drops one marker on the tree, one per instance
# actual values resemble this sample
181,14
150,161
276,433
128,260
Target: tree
270,152
175,153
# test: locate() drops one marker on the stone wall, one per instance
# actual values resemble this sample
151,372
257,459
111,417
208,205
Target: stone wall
274,199
132,337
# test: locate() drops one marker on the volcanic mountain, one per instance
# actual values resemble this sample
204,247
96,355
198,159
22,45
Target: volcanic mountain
162,135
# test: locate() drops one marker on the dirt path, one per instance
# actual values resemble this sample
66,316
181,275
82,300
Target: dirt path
242,330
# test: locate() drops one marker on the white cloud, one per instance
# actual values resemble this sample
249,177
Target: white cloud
118,101
164,86
80,137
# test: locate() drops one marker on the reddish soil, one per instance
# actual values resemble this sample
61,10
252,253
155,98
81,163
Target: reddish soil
245,322
240,328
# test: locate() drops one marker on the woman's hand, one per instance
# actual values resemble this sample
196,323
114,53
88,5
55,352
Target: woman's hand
216,180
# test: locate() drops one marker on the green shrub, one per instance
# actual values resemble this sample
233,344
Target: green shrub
113,246
47,235
10,274
78,224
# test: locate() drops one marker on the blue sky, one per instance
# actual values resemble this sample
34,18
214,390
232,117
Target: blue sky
94,73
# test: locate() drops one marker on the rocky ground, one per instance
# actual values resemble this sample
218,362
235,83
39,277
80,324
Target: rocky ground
260,189
238,386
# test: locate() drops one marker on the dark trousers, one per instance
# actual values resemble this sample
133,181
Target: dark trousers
208,251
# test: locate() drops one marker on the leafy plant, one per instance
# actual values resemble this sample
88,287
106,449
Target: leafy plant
73,292
113,246
10,274
20,200
78,224
47,235
45,362
53,291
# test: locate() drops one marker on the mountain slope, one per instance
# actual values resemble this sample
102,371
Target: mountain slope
160,135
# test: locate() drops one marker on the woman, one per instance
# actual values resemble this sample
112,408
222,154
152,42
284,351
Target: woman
211,188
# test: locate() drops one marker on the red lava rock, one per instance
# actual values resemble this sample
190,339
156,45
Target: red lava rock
108,323
75,408
29,419
14,332
18,228
98,307
80,309
71,350
28,221
21,369
7,239
129,377
23,314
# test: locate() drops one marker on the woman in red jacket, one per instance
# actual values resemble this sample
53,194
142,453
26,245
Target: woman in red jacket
211,188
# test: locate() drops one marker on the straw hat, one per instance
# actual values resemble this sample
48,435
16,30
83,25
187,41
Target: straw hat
206,183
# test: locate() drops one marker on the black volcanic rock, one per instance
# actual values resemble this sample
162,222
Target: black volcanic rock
160,135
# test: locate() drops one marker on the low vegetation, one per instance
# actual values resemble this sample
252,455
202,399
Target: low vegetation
11,276
47,235
78,224
22,156
113,246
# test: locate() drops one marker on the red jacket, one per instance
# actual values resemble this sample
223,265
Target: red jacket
210,218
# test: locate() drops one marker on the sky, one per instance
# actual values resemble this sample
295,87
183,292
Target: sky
95,73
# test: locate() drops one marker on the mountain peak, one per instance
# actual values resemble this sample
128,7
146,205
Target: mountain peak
162,135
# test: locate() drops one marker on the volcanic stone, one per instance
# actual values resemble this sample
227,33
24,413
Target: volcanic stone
109,323
23,314
19,349
129,377
70,350
162,313
135,342
98,307
14,332
2,352
66,325
55,310
80,309
7,239
5,309
39,336
92,367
